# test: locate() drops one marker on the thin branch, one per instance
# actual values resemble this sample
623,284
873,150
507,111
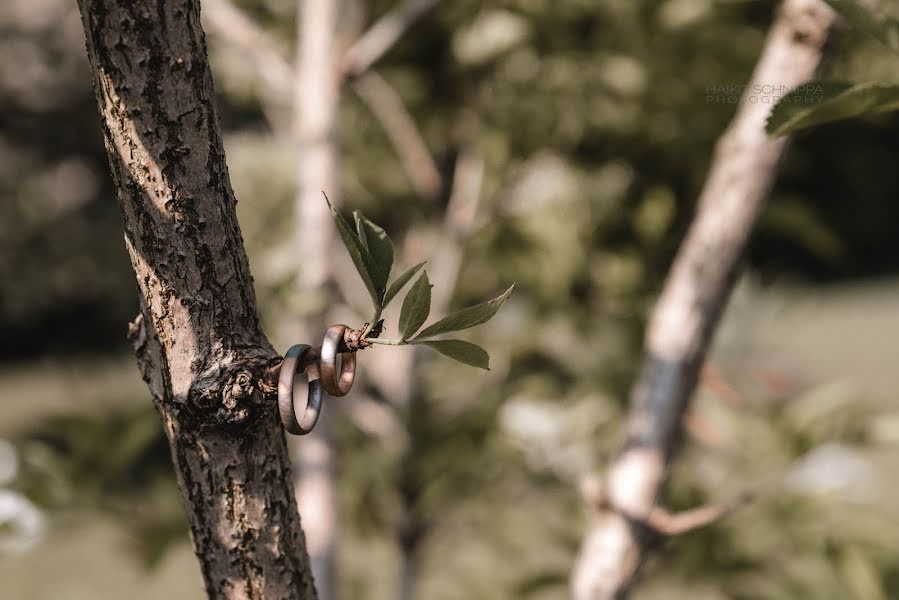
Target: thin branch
712,378
225,20
407,141
671,524
381,36
458,223
316,96
278,78
685,317
660,520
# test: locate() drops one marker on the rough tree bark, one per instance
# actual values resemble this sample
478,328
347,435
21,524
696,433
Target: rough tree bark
198,339
688,310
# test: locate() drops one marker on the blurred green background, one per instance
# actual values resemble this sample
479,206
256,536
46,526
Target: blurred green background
595,127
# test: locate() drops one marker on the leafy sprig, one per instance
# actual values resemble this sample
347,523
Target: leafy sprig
372,253
836,101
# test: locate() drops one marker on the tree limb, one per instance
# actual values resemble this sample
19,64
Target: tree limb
230,23
691,303
381,36
387,106
461,210
316,96
198,339
227,21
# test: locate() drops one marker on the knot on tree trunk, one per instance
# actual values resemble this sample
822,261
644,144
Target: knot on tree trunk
239,388
234,392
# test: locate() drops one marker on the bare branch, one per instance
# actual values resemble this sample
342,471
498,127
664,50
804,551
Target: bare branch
375,42
671,524
225,20
659,520
316,97
458,223
712,378
279,84
693,298
387,106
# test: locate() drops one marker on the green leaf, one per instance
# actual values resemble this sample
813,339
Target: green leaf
416,307
885,29
464,352
380,250
797,103
467,317
791,114
399,282
357,252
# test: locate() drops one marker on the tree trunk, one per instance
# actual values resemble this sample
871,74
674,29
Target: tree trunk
316,98
685,316
198,339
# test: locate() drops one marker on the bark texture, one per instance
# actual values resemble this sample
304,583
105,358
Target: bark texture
686,314
198,339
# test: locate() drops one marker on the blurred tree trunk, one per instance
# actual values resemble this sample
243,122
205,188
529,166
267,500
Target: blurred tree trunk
198,340
684,319
316,98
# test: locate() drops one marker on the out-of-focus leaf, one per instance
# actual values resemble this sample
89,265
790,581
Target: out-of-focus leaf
540,583
801,99
399,282
358,253
416,307
467,317
837,102
859,574
464,352
380,250
886,30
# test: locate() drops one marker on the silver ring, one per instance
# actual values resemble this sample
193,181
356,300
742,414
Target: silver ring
328,363
285,392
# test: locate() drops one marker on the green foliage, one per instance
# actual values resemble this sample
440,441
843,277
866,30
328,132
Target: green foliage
467,317
401,281
118,463
358,252
380,252
885,29
834,101
839,101
416,307
372,253
464,352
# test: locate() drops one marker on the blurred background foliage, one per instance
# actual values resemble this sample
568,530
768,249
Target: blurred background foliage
596,122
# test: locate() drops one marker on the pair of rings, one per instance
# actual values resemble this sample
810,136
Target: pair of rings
322,375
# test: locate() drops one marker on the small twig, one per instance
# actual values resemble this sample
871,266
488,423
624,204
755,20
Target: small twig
660,520
232,24
458,222
385,342
712,379
381,36
387,106
671,524
278,77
